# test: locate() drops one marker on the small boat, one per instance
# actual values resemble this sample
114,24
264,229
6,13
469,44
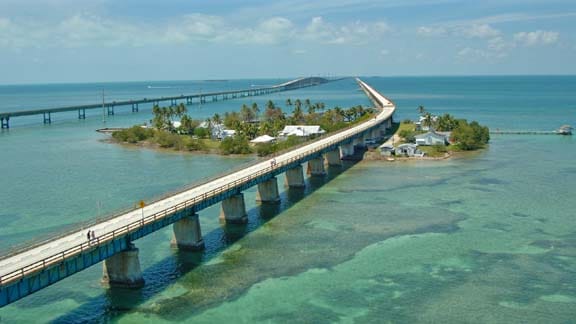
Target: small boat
565,130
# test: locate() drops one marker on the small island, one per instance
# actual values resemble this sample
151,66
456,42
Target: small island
434,136
247,131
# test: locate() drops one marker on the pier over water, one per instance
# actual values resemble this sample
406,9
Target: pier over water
37,266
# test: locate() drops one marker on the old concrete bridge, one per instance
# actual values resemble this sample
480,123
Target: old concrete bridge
109,107
37,267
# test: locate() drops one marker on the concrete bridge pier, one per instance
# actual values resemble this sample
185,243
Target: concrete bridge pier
5,122
134,107
316,167
233,210
268,192
347,149
47,118
295,177
123,269
187,234
333,158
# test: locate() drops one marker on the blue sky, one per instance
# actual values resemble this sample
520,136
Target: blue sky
45,41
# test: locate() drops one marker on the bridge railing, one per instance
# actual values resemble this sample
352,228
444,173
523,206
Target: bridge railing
134,226
77,227
337,138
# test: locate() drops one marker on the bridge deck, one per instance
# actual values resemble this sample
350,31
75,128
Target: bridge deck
301,82
41,257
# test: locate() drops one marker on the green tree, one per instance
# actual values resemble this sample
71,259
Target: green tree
255,110
446,123
421,110
187,124
470,136
235,145
246,113
428,120
216,119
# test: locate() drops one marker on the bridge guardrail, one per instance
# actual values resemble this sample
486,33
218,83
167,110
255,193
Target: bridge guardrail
127,229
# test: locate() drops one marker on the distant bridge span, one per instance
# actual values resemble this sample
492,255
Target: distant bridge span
37,267
201,98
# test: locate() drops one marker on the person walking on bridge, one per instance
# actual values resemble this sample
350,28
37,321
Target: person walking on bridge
88,235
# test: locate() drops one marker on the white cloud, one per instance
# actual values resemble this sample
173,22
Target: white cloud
470,54
354,33
466,30
83,30
536,38
479,31
431,31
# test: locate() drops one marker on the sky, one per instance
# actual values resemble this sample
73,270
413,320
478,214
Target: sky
54,41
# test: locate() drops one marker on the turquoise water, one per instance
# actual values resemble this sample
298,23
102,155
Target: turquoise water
486,238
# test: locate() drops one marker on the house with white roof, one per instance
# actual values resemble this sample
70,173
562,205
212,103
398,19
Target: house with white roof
263,139
432,138
301,130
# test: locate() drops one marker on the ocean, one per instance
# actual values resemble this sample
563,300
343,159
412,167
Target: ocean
488,237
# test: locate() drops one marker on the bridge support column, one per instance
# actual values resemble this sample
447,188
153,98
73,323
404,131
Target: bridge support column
333,158
233,210
81,113
123,269
347,149
295,177
268,192
110,110
47,118
5,122
134,107
316,167
187,234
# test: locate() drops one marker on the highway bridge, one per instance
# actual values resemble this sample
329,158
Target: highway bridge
109,107
38,266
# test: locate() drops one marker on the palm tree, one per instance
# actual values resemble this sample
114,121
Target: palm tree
180,110
255,110
298,103
217,119
307,103
270,104
288,102
297,113
311,109
421,110
428,120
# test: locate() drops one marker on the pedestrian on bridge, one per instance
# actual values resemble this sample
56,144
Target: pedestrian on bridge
88,235
93,235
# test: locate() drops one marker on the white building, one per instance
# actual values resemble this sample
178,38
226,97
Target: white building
301,130
432,138
263,139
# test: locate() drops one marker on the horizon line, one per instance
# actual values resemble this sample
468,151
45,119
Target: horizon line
288,78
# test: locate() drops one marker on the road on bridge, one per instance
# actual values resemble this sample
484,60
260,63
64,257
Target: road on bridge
38,255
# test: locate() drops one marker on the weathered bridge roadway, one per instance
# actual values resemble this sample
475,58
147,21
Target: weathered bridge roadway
40,266
188,99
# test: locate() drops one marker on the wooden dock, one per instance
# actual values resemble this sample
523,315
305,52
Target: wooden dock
523,132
